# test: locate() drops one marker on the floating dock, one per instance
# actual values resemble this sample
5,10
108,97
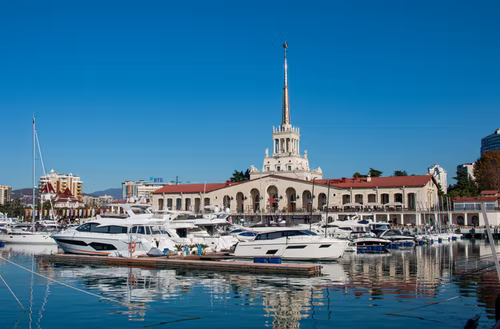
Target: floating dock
179,263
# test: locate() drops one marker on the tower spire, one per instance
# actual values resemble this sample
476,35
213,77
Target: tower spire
286,104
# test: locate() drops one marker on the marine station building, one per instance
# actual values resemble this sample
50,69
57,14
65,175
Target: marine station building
287,187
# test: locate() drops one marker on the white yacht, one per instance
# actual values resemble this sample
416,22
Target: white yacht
397,237
107,236
291,244
362,240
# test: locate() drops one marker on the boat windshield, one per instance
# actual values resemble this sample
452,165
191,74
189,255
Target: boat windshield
95,228
282,234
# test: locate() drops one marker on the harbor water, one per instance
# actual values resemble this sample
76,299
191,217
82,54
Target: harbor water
439,285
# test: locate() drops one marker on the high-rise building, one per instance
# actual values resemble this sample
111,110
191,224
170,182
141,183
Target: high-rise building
58,183
468,168
491,142
440,176
133,191
5,194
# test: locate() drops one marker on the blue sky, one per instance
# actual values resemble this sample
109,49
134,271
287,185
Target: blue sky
134,89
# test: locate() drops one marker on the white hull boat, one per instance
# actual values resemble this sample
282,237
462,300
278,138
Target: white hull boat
28,238
291,245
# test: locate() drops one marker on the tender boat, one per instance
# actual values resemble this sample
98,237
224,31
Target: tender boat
291,244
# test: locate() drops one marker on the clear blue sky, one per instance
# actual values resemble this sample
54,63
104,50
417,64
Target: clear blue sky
133,89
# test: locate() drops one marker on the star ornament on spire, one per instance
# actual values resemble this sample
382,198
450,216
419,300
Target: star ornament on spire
285,45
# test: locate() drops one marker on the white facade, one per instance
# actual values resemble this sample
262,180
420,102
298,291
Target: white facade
61,182
468,168
133,191
5,194
440,176
286,159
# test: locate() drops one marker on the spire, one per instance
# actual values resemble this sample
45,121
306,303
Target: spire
286,104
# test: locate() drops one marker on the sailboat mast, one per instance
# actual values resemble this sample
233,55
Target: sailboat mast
34,177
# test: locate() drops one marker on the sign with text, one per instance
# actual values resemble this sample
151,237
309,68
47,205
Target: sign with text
156,179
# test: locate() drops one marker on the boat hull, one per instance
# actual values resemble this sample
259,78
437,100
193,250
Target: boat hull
300,250
28,239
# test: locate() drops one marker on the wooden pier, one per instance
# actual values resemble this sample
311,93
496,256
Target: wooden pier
187,263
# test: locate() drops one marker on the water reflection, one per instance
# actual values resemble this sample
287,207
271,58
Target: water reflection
424,273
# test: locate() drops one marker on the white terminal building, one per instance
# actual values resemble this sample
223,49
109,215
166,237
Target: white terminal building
286,186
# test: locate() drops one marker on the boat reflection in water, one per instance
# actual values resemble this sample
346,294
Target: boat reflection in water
393,282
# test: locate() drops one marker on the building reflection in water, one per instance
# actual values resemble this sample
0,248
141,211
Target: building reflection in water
418,273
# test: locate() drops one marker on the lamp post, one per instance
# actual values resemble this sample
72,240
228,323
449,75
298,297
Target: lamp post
312,204
327,204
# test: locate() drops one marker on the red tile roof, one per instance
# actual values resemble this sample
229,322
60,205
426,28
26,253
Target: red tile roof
493,192
475,199
389,181
193,188
48,189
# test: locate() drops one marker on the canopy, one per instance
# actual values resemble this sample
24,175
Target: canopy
353,204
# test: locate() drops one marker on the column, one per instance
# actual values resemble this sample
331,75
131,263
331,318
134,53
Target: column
401,216
466,220
274,146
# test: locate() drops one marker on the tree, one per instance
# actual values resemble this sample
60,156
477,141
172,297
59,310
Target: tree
357,174
465,186
487,171
374,172
400,173
240,176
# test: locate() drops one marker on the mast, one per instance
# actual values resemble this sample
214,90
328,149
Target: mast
34,176
286,104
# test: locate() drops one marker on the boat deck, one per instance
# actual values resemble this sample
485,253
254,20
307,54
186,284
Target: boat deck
189,262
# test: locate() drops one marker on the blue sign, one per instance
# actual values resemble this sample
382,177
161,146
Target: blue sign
156,180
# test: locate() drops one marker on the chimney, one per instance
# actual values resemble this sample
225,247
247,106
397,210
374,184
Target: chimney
368,178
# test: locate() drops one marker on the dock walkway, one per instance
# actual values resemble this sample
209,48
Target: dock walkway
166,263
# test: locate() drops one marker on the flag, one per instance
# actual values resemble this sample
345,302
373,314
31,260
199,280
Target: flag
84,212
80,213
67,212
27,211
93,212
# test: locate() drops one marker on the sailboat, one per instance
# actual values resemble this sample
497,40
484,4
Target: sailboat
32,236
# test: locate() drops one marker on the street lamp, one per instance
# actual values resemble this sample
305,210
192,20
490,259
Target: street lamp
312,204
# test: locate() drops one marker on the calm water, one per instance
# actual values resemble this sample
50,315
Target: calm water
385,291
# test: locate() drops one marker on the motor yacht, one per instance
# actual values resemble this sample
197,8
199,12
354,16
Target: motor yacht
362,240
106,236
291,244
398,238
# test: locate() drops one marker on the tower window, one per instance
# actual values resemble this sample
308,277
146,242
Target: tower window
289,167
278,168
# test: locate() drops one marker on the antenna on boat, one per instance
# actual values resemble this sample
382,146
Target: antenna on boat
34,176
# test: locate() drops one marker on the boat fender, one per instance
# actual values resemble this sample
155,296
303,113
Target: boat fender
131,247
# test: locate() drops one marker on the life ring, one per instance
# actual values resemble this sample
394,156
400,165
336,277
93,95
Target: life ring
131,247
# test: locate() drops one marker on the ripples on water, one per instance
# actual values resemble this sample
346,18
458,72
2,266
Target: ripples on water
441,285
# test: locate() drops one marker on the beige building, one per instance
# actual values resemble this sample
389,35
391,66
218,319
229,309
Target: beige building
287,187
5,194
61,182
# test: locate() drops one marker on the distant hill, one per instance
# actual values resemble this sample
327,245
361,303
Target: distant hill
116,193
18,194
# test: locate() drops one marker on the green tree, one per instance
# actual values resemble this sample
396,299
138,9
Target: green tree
465,186
487,171
400,173
357,174
374,172
240,176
